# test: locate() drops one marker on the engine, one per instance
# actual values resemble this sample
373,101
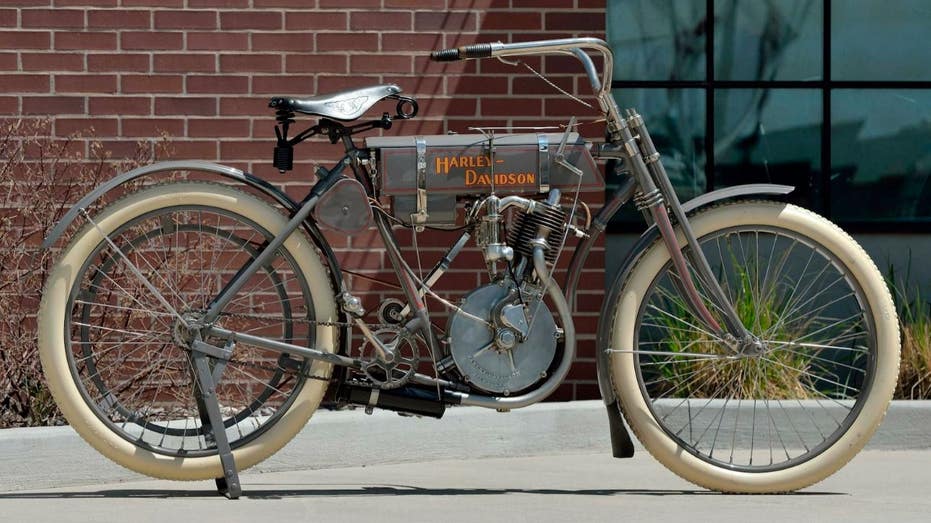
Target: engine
503,337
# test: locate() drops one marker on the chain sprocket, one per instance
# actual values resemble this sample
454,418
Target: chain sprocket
402,365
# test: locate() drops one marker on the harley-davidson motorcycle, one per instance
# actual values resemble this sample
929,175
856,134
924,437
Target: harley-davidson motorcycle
190,329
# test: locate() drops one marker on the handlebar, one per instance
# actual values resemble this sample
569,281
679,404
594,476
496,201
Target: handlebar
567,46
570,46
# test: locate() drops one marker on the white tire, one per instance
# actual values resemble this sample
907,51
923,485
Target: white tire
638,377
69,388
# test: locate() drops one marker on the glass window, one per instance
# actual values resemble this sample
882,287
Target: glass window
657,39
768,136
881,155
773,40
676,121
879,40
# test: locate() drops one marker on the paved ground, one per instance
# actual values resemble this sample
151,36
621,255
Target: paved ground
550,462
877,485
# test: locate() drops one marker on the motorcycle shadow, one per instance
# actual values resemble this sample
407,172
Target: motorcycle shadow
252,492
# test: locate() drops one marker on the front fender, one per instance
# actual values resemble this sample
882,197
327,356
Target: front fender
648,236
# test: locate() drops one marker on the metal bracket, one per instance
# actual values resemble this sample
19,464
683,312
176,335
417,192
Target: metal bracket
560,153
543,160
419,218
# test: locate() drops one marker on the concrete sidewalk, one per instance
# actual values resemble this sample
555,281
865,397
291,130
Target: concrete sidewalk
51,457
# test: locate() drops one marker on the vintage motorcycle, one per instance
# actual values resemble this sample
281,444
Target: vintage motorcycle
190,329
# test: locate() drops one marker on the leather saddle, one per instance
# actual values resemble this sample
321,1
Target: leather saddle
343,105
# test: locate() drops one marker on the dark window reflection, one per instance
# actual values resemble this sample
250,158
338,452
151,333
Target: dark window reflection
768,136
880,40
657,39
768,40
676,121
880,155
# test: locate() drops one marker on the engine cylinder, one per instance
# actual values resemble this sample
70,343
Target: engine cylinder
531,226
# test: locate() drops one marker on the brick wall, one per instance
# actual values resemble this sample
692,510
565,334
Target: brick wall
202,70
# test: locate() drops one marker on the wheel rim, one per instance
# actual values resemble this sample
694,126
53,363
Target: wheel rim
770,409
122,348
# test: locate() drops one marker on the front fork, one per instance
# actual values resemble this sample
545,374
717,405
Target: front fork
654,196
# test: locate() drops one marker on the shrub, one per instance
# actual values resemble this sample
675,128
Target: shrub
40,177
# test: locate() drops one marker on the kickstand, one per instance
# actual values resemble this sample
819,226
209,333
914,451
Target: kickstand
210,416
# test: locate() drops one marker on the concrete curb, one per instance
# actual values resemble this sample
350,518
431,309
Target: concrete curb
48,457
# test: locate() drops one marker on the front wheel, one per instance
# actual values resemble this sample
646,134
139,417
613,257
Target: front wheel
777,415
117,357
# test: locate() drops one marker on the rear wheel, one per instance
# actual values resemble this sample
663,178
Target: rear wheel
116,355
788,411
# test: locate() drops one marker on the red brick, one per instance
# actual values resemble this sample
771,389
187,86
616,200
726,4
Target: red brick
85,41
9,105
52,61
315,63
24,83
349,3
245,149
8,18
498,67
122,62
92,3
8,62
187,19
86,126
485,4
25,39
265,63
218,3
380,20
222,127
236,106
347,41
250,20
509,20
411,42
422,85
149,83
216,41
151,40
85,83
119,105
185,63
466,84
185,106
457,21
511,106
150,127
119,19
287,84
569,21
193,150
449,107
546,3
305,21
59,18
153,3
303,42
423,65
534,85
304,4
438,4
383,63
56,105
328,84
217,84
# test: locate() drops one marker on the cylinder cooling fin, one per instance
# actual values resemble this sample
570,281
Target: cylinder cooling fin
531,226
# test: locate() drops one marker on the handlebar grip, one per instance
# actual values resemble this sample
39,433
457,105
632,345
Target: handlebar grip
461,53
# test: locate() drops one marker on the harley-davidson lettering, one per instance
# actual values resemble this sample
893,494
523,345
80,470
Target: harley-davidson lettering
472,177
445,163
